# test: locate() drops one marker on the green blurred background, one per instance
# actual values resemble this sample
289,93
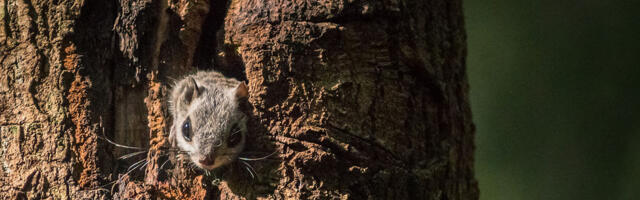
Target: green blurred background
555,92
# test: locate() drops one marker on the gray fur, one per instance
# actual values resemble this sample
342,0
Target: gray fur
212,109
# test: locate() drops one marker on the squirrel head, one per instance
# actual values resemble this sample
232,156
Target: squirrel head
207,121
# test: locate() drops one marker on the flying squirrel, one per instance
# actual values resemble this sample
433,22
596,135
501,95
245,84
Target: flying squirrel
207,121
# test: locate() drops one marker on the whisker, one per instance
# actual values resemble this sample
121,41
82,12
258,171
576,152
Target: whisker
113,187
143,165
100,187
249,168
119,145
112,182
251,173
193,168
172,150
260,158
190,165
134,165
129,170
127,156
165,162
127,173
249,165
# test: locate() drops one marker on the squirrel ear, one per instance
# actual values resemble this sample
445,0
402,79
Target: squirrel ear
242,91
191,91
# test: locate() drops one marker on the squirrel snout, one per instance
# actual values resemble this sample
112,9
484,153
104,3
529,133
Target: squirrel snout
207,160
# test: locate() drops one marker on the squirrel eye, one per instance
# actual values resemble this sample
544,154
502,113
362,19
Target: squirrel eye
235,137
186,130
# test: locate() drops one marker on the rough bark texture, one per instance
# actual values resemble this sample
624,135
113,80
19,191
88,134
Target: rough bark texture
359,100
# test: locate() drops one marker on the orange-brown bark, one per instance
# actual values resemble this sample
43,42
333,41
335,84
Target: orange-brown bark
358,99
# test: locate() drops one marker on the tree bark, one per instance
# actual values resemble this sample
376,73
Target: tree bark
358,99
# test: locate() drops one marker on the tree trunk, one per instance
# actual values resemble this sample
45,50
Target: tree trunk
359,100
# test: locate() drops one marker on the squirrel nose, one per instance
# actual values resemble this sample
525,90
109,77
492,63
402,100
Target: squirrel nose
207,160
